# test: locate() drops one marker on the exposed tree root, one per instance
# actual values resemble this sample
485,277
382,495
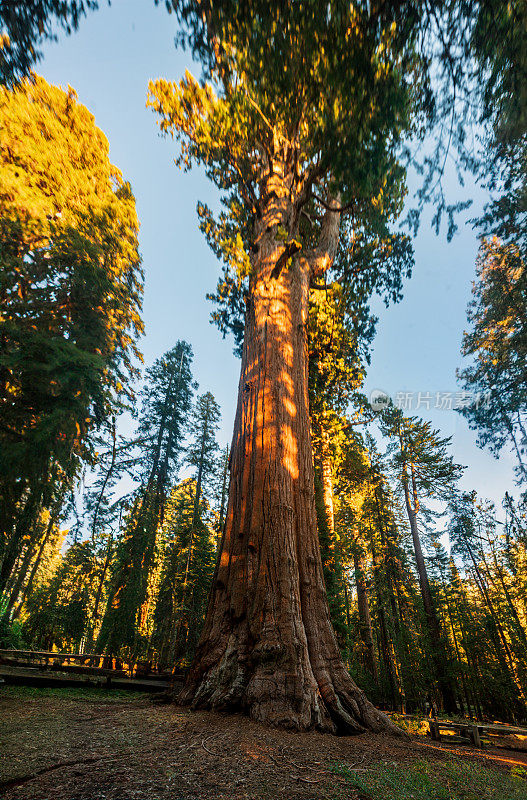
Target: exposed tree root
26,778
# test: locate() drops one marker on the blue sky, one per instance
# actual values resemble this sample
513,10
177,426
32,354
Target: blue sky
109,62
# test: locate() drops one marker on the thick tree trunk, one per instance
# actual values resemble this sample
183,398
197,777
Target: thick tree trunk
268,646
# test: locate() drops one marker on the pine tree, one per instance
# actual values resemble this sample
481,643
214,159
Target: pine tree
70,288
470,522
496,381
186,572
58,609
423,467
201,454
166,405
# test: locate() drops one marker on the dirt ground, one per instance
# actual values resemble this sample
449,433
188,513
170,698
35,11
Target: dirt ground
98,747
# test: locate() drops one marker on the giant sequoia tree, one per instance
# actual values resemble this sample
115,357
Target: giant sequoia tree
298,123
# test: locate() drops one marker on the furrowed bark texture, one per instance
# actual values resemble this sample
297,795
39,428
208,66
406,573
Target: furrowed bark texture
268,647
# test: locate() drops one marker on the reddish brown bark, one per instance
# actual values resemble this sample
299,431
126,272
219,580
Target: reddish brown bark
268,646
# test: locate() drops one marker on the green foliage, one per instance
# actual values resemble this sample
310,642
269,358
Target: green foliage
24,27
496,380
57,610
414,726
90,694
186,572
11,633
202,450
166,404
189,544
416,448
71,290
424,780
496,342
332,566
328,103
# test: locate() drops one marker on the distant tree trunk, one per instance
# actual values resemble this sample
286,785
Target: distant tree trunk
364,616
268,646
347,602
19,590
432,621
15,543
327,485
387,549
197,500
98,596
508,662
387,649
520,631
221,519
331,566
130,580
106,479
456,646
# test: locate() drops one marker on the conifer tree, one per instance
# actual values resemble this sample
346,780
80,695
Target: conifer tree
469,527
423,467
203,448
70,288
222,484
164,416
496,380
58,608
201,454
496,342
278,142
186,572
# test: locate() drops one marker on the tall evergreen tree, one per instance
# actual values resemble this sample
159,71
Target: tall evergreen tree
424,468
166,404
70,288
471,523
201,454
496,380
278,140
186,573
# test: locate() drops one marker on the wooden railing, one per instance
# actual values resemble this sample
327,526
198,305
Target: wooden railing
473,731
87,664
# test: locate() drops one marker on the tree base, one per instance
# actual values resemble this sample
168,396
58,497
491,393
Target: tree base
283,698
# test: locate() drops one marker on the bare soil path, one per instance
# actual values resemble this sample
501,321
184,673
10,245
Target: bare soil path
94,745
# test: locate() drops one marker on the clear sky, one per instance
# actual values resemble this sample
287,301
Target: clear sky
109,62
